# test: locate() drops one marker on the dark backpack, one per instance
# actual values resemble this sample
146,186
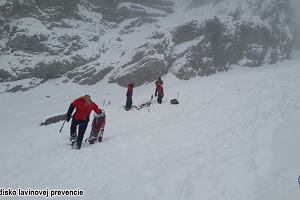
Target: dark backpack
174,101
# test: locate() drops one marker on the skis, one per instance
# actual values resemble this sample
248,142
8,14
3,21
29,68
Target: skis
144,105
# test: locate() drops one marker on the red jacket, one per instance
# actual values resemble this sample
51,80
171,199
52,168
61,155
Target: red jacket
84,109
159,90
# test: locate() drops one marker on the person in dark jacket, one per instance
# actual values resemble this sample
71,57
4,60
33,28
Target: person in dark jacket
159,92
84,106
129,96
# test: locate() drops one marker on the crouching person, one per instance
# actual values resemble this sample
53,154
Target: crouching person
84,106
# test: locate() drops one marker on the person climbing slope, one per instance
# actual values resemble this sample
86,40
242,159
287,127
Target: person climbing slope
84,106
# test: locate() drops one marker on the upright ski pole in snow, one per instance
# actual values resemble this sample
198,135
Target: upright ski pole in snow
62,125
150,103
177,95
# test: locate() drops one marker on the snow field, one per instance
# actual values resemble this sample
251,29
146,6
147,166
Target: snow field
225,140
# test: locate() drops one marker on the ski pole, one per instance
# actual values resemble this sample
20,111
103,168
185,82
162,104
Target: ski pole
62,125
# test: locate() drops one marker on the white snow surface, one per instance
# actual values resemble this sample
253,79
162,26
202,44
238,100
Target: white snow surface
89,15
183,47
134,7
29,26
233,136
2,2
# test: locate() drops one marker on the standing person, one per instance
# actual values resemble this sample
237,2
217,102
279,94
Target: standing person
159,92
84,106
129,96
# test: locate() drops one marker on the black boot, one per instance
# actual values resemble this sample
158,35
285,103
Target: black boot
77,145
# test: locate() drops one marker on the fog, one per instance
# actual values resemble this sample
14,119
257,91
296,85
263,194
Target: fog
295,16
294,6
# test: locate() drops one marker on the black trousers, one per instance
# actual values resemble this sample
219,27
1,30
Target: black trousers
82,128
159,98
128,103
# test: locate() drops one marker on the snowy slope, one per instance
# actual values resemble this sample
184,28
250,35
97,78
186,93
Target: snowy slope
233,136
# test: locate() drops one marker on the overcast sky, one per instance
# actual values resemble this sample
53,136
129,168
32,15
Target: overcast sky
295,6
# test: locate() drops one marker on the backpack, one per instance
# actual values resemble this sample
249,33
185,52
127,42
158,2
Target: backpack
174,101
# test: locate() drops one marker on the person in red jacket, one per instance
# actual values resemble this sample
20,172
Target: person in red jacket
84,106
159,92
129,96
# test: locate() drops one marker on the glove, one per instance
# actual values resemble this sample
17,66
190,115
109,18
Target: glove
68,117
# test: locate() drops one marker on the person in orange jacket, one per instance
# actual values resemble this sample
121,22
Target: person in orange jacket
84,106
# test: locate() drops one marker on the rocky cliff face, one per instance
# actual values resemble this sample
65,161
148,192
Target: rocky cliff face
247,33
86,41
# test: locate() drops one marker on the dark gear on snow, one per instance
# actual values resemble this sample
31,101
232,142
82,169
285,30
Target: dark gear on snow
174,101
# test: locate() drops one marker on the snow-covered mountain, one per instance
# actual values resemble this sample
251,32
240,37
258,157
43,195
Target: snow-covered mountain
122,41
